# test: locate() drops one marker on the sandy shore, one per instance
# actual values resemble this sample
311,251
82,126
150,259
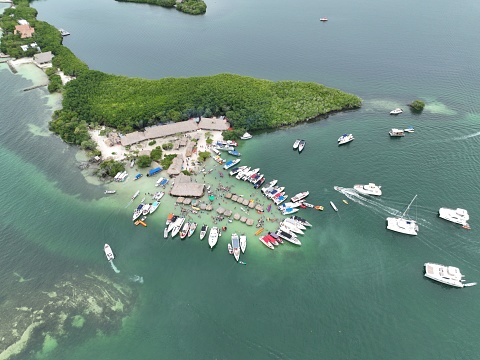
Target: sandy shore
119,153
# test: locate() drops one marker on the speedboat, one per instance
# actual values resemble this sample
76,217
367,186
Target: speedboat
184,232
231,163
138,176
323,19
213,237
225,148
230,248
172,223
243,243
135,195
403,224
177,226
458,216
192,228
158,195
165,232
146,209
345,138
448,275
266,242
291,227
333,206
276,237
203,231
234,153
246,136
396,111
290,204
110,191
138,212
242,173
298,224
132,163
290,237
396,133
300,196
154,207
370,189
236,246
295,144
108,252
301,145
259,183
271,239
410,129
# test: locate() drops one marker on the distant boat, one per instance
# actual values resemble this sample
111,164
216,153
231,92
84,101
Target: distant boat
192,228
301,145
370,189
323,19
396,133
63,32
396,111
345,138
203,231
138,176
458,216
448,275
410,129
230,248
132,163
246,136
333,206
403,224
236,246
234,153
295,144
110,191
108,252
154,207
184,232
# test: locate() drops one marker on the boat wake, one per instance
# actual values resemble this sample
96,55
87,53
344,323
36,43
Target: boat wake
114,267
465,137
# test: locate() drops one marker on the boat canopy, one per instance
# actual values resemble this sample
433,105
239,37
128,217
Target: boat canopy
154,171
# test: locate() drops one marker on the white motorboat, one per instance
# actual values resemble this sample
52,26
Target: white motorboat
213,237
230,248
135,195
396,132
192,228
289,211
184,232
236,246
301,145
203,231
297,223
246,136
291,204
154,207
265,242
157,183
146,209
288,236
403,224
108,252
292,227
370,189
242,173
132,163
110,191
137,212
231,163
172,222
225,148
333,206
458,216
177,226
165,232
323,19
410,129
237,170
158,195
300,196
345,138
243,243
299,219
396,111
295,144
448,275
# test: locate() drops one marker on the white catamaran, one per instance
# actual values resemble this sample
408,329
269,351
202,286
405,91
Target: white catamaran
403,224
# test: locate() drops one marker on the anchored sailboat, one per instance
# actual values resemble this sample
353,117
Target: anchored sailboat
403,224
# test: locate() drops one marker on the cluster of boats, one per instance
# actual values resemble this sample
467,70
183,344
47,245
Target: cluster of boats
121,176
288,230
238,245
246,173
144,209
176,224
299,144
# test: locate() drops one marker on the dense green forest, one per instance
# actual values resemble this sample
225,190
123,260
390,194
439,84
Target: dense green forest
130,104
192,7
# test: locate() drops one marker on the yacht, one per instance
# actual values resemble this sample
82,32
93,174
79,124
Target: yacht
236,246
213,237
135,195
370,189
108,252
290,237
230,248
396,111
448,275
458,216
243,243
301,220
396,133
177,226
295,144
184,232
246,136
298,224
301,145
203,231
146,209
291,227
154,207
402,224
345,138
138,212
192,228
300,196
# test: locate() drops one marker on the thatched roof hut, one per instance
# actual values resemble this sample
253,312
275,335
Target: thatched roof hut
245,202
243,219
234,197
185,187
249,222
209,207
236,216
203,206
251,204
228,195
187,201
176,166
228,213
240,200
220,210
259,207
180,199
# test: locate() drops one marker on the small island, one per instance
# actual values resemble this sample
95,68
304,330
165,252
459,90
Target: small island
192,7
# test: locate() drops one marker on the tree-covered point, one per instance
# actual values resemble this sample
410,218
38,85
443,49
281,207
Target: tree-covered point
130,104
193,7
167,160
110,168
417,105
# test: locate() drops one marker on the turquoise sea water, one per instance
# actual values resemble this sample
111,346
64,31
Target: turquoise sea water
353,290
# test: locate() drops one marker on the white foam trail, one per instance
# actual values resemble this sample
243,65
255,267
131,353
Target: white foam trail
114,267
373,204
467,136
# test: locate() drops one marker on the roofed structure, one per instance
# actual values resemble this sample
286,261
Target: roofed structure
185,187
220,124
176,166
249,222
228,213
25,31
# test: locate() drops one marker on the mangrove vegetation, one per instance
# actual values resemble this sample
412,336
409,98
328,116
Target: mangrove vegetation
192,7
